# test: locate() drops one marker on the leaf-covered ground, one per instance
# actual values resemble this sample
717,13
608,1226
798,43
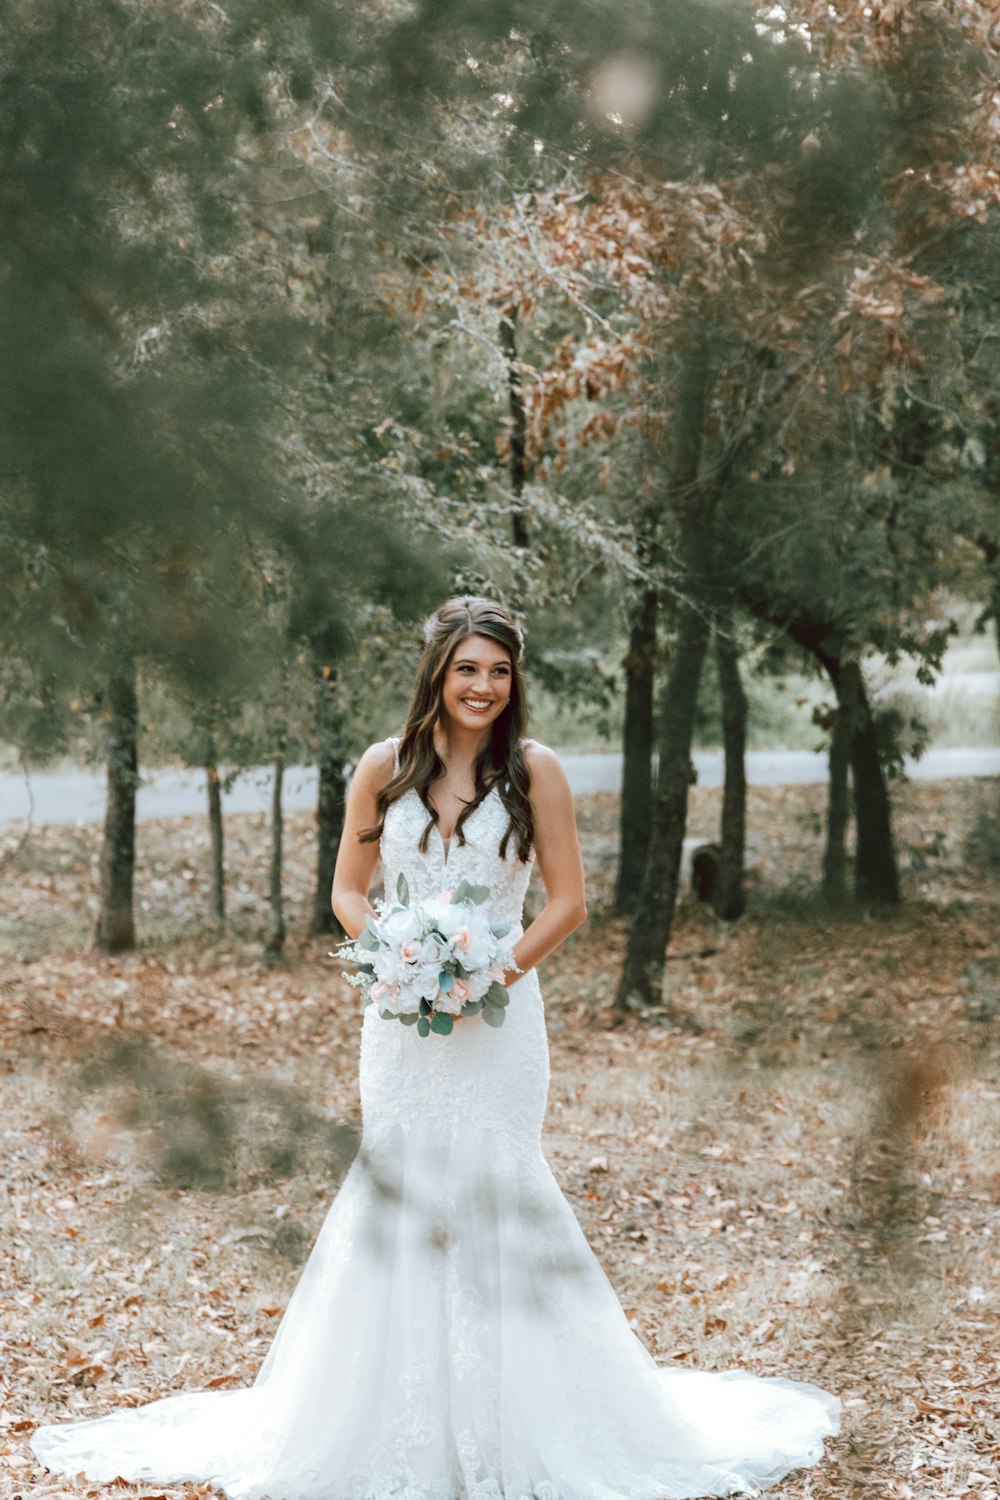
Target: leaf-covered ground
806,1184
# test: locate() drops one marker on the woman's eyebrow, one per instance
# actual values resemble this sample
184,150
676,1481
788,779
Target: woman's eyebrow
470,661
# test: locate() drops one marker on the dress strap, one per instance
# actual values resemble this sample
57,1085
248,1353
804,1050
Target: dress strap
394,742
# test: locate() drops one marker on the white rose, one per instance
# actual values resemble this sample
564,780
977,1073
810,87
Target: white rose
406,1002
424,981
436,906
434,951
453,918
477,953
400,926
479,983
387,966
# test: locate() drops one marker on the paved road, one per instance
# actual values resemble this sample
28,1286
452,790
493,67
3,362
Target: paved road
78,796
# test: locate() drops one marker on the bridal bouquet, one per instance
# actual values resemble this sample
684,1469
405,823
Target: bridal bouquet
426,963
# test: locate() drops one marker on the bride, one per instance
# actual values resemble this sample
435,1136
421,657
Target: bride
452,1336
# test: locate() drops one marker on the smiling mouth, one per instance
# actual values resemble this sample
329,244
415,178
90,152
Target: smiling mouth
477,705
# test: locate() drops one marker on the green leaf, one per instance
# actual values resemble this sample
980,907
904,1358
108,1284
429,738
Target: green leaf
425,1008
445,981
472,1007
423,1026
500,929
493,1015
371,924
474,894
496,995
366,968
409,1018
369,941
402,889
442,1024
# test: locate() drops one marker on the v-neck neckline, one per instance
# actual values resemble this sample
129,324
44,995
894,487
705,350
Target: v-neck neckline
446,846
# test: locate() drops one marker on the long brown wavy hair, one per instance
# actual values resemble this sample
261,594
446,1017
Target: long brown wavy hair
500,763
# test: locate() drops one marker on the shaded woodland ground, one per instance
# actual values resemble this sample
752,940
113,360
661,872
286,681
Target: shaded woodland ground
806,1185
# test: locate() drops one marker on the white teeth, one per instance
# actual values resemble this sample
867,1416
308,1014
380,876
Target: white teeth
475,703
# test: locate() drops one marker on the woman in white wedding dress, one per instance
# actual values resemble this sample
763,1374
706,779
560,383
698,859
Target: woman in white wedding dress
452,1336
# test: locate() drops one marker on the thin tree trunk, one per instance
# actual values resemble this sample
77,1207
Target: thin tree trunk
518,426
330,802
838,810
730,901
637,748
876,877
116,923
274,948
215,829
641,979
642,975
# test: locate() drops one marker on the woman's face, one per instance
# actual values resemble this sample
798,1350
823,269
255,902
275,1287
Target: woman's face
477,683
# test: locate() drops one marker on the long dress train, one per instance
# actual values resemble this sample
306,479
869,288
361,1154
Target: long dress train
452,1336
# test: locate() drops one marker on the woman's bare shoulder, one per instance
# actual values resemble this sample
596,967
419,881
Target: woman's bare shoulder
375,767
544,766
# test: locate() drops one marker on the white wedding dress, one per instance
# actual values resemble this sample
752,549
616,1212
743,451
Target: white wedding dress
452,1336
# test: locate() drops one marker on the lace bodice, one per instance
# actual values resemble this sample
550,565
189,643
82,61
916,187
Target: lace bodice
477,860
493,1081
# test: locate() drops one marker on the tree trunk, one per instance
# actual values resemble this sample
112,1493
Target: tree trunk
730,901
116,923
518,426
274,948
642,975
637,747
215,828
694,507
838,809
876,877
330,803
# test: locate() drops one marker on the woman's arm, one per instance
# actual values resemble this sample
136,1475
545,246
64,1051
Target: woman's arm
557,849
356,862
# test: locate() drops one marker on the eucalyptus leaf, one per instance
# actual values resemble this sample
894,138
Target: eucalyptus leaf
493,1015
445,981
477,894
409,1018
472,1007
425,1007
402,889
369,941
423,1026
500,929
443,1024
496,995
